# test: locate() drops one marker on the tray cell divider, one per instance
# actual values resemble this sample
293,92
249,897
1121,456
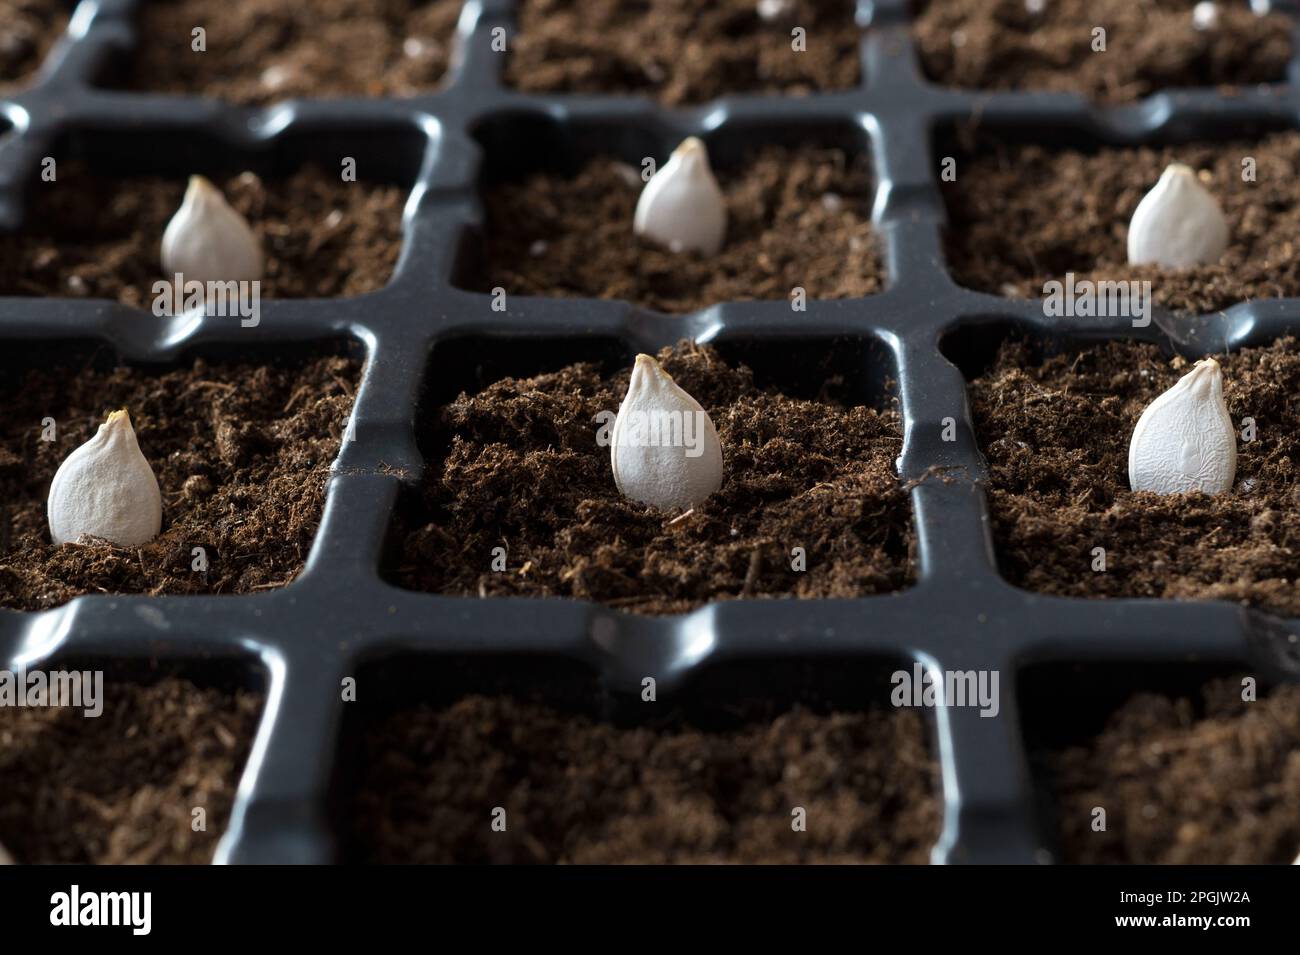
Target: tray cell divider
988,790
281,809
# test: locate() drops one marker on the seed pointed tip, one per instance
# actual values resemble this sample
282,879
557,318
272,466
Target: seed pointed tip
649,363
200,185
1205,376
692,146
648,368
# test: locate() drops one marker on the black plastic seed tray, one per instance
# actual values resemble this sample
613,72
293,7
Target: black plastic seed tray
340,614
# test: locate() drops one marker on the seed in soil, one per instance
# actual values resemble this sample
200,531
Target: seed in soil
1149,47
261,51
580,791
1055,431
154,754
517,465
1184,441
1178,224
682,53
241,449
28,30
1207,779
106,489
571,236
663,447
94,235
208,241
1021,216
682,207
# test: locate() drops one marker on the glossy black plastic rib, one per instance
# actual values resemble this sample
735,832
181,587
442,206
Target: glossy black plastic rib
302,640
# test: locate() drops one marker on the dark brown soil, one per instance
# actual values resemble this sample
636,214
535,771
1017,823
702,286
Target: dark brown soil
241,451
1023,215
97,236
260,51
523,471
795,218
1056,436
681,52
28,29
1150,46
121,787
578,791
1215,781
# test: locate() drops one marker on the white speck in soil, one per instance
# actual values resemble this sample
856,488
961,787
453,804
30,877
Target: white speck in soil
629,175
419,47
274,77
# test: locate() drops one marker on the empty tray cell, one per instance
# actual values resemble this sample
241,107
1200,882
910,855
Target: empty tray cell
28,29
1056,434
1143,48
259,51
684,52
1022,215
768,777
97,235
147,774
1168,765
519,496
241,448
798,216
